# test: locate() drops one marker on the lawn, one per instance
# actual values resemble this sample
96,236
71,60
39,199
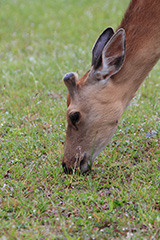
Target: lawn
40,41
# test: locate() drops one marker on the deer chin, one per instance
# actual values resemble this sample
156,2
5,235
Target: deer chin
88,160
86,163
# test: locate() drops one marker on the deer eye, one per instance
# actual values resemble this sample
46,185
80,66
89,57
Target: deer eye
74,117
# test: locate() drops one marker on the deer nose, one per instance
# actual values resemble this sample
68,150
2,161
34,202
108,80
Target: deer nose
70,170
66,169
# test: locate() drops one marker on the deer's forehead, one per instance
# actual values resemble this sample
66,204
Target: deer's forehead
82,81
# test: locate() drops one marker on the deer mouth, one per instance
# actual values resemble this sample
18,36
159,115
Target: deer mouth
80,166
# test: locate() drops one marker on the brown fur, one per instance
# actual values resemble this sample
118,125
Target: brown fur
102,107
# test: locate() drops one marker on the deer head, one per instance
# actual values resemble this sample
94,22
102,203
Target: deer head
94,105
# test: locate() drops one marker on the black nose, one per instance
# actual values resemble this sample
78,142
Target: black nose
66,169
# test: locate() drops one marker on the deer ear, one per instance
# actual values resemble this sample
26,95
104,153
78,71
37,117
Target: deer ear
100,43
113,55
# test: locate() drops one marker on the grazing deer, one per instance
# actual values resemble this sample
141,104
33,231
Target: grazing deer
120,63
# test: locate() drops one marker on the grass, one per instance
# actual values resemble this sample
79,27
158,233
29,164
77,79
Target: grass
39,42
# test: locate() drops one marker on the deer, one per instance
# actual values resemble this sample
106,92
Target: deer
121,61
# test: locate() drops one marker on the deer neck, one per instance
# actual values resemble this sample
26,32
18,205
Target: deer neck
141,23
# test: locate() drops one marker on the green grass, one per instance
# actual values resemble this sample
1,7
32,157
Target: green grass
39,42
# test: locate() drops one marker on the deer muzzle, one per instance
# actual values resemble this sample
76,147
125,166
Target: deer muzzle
75,165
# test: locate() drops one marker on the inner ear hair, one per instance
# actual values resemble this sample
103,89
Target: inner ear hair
114,53
99,45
